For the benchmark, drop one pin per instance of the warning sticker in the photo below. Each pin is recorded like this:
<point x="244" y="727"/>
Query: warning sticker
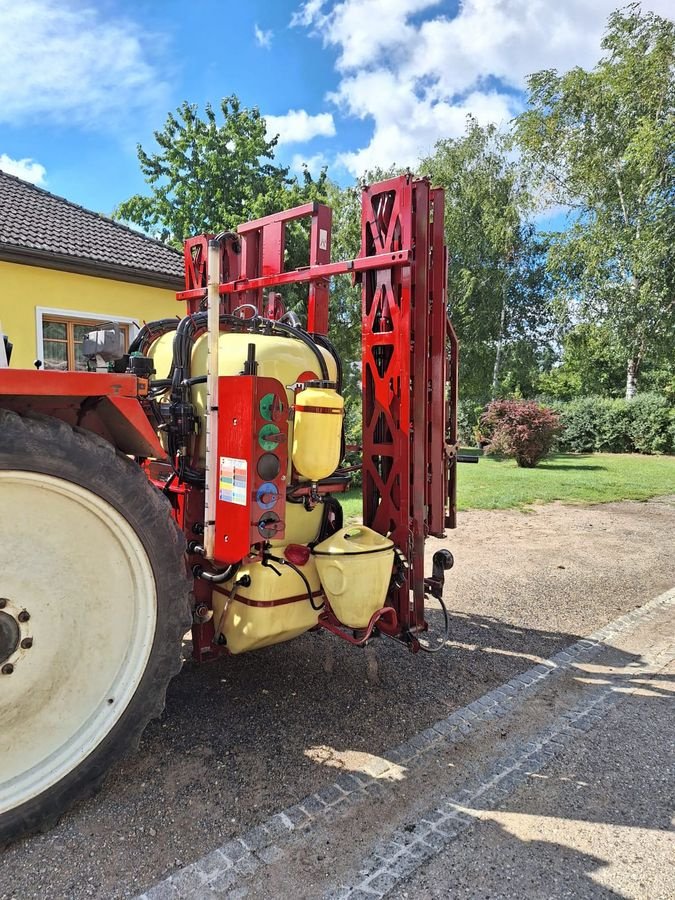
<point x="233" y="480"/>
<point x="323" y="239"/>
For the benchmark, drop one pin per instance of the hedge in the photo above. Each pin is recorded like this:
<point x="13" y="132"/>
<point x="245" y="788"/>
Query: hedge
<point x="645" y="424"/>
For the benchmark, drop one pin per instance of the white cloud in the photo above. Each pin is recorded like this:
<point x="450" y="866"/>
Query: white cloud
<point x="65" y="62"/>
<point x="314" y="163"/>
<point x="417" y="77"/>
<point x="27" y="169"/>
<point x="298" y="126"/>
<point x="263" y="38"/>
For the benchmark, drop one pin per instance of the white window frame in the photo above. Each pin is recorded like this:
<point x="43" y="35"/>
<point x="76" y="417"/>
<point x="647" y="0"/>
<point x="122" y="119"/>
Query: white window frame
<point x="42" y="311"/>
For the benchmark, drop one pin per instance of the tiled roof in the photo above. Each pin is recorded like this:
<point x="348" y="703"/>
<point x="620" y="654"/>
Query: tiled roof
<point x="40" y="227"/>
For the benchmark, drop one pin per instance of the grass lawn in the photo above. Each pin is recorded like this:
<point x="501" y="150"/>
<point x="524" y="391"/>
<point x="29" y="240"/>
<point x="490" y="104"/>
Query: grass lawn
<point x="593" y="478"/>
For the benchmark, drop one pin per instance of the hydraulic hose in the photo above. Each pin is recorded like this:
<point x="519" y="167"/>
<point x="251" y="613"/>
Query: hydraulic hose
<point x="217" y="577"/>
<point x="150" y="331"/>
<point x="306" y="339"/>
<point x="286" y="562"/>
<point x="446" y="630"/>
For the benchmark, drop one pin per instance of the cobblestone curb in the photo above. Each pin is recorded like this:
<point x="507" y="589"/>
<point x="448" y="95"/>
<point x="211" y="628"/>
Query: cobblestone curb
<point x="231" y="864"/>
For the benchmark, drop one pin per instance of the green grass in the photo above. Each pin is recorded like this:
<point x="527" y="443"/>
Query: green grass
<point x="594" y="478"/>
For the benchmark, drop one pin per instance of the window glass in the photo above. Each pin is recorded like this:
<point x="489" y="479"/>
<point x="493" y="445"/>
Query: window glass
<point x="56" y="355"/>
<point x="62" y="341"/>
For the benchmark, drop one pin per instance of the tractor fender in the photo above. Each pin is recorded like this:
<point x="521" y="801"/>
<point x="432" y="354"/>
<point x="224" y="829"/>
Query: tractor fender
<point x="106" y="404"/>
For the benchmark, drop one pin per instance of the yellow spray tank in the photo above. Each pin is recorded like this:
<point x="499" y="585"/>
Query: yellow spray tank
<point x="317" y="430"/>
<point x="355" y="566"/>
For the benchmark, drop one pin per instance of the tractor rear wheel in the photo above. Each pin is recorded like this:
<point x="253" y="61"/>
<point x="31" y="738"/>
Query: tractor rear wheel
<point x="94" y="601"/>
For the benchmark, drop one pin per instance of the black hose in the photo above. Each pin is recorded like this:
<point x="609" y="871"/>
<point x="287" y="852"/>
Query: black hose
<point x="323" y="341"/>
<point x="217" y="577"/>
<point x="285" y="562"/>
<point x="152" y="330"/>
<point x="446" y="632"/>
<point x="306" y="339"/>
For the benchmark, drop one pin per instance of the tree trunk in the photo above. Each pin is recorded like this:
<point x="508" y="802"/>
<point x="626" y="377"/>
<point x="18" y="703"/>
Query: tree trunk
<point x="631" y="377"/>
<point x="500" y="342"/>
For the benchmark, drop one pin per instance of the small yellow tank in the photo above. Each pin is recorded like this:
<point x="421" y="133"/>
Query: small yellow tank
<point x="317" y="431"/>
<point x="355" y="566"/>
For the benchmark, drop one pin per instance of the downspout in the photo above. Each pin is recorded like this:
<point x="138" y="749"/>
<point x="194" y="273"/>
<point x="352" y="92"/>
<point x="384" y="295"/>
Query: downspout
<point x="212" y="336"/>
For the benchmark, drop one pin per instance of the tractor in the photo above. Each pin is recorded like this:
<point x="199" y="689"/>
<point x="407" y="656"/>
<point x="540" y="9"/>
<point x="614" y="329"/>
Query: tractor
<point x="192" y="480"/>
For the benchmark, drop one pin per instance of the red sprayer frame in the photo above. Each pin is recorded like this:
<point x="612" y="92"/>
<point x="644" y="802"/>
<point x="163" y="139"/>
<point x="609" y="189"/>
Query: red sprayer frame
<point x="409" y="356"/>
<point x="409" y="374"/>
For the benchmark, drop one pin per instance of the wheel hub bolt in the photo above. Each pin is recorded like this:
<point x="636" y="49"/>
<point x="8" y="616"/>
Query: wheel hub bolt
<point x="7" y="669"/>
<point x="23" y="616"/>
<point x="27" y="643"/>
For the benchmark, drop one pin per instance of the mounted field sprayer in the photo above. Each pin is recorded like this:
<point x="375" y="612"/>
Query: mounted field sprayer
<point x="195" y="483"/>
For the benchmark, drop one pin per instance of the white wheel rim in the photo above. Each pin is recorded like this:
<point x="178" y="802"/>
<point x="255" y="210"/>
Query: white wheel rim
<point x="70" y="560"/>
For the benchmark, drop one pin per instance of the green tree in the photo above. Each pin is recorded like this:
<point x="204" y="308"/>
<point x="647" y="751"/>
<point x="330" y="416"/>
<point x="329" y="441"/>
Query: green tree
<point x="591" y="365"/>
<point x="212" y="176"/>
<point x="496" y="274"/>
<point x="601" y="142"/>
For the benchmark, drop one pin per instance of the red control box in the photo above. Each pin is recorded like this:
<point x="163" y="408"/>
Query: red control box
<point x="252" y="464"/>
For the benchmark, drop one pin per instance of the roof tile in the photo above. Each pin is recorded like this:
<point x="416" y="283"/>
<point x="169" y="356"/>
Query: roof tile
<point x="33" y="219"/>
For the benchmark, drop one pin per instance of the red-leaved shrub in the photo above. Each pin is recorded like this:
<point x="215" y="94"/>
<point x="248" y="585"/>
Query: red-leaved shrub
<point x="519" y="428"/>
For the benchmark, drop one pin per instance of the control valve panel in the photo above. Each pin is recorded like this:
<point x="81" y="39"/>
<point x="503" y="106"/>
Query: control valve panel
<point x="252" y="464"/>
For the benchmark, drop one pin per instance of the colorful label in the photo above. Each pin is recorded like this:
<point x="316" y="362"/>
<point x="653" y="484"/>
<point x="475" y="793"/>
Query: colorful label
<point x="233" y="480"/>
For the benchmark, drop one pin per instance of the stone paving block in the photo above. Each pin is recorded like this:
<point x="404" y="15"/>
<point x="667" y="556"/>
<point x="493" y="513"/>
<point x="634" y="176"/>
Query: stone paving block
<point x="377" y="767"/>
<point x="348" y="783"/>
<point x="339" y="893"/>
<point x="429" y="736"/>
<point x="233" y="850"/>
<point x="248" y="865"/>
<point x="187" y="878"/>
<point x="200" y="892"/>
<point x="330" y="794"/>
<point x="165" y="890"/>
<point x="381" y="883"/>
<point x="213" y="863"/>
<point x="432" y="815"/>
<point x="270" y="854"/>
<point x="445" y="728"/>
<point x="224" y="882"/>
<point x="280" y="827"/>
<point x="387" y="850"/>
<point x="255" y="838"/>
<point x="313" y="805"/>
<point x="296" y="814"/>
<point x="375" y="791"/>
<point x="237" y="893"/>
<point x="403" y="866"/>
<point x="447" y="828"/>
<point x="436" y="840"/>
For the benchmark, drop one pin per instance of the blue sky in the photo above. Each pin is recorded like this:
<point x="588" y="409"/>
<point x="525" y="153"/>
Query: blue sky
<point x="349" y="84"/>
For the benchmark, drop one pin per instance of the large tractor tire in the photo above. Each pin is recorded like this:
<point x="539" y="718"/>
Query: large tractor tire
<point x="94" y="601"/>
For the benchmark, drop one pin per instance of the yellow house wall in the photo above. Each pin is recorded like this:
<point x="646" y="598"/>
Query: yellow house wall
<point x="25" y="288"/>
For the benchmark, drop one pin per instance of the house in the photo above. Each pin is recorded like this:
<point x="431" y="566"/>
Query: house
<point x="64" y="269"/>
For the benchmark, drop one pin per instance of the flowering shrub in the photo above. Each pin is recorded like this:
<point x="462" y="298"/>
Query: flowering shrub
<point x="519" y="428"/>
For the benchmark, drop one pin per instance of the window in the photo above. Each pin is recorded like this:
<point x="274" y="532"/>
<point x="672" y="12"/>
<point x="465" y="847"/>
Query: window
<point x="62" y="341"/>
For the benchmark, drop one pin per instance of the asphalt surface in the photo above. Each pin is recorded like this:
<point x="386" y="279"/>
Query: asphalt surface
<point x="597" y="823"/>
<point x="247" y="736"/>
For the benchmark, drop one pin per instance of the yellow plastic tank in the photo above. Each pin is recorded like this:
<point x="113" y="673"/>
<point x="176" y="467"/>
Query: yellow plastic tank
<point x="282" y="358"/>
<point x="355" y="566"/>
<point x="317" y="431"/>
<point x="273" y="608"/>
